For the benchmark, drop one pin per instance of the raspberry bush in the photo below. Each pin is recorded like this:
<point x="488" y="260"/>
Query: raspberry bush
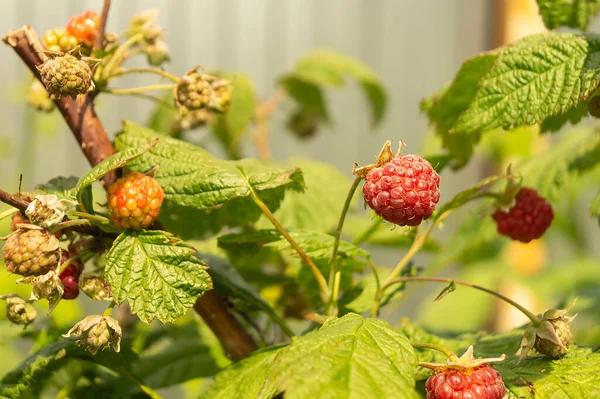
<point x="272" y="277"/>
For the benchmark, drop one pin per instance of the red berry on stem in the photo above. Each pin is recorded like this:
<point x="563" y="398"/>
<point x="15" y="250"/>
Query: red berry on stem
<point x="404" y="191"/>
<point x="528" y="219"/>
<point x="482" y="382"/>
<point x="84" y="26"/>
<point x="71" y="286"/>
<point x="134" y="201"/>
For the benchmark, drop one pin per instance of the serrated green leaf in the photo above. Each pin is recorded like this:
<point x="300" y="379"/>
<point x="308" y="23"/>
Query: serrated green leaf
<point x="60" y="186"/>
<point x="178" y="362"/>
<point x="31" y="370"/>
<point x="572" y="13"/>
<point x="113" y="162"/>
<point x="192" y="177"/>
<point x="325" y="68"/>
<point x="551" y="73"/>
<point x="319" y="206"/>
<point x="317" y="245"/>
<point x="246" y="379"/>
<point x="443" y="109"/>
<point x="156" y="273"/>
<point x="350" y="357"/>
<point x="578" y="153"/>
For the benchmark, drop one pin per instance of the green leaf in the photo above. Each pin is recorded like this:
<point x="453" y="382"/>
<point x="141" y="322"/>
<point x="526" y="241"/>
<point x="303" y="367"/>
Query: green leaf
<point x="156" y="273"/>
<point x="571" y="13"/>
<point x="349" y="357"/>
<point x="443" y="109"/>
<point x="318" y="246"/>
<point x="185" y="357"/>
<point x="578" y="153"/>
<point x="230" y="128"/>
<point x="551" y="73"/>
<point x="319" y="206"/>
<point x="60" y="186"/>
<point x="33" y="369"/>
<point x="308" y="96"/>
<point x="192" y="177"/>
<point x="325" y="68"/>
<point x="246" y="378"/>
<point x="113" y="162"/>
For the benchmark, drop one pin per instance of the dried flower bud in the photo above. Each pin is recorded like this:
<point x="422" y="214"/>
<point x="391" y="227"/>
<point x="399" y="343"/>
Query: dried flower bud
<point x="96" y="287"/>
<point x="157" y="53"/>
<point x="552" y="337"/>
<point x="19" y="311"/>
<point x="47" y="286"/>
<point x="97" y="333"/>
<point x="46" y="211"/>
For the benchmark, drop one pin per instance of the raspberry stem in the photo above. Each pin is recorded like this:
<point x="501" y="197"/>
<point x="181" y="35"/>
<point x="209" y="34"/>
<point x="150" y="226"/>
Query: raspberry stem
<point x="136" y="90"/>
<point x="118" y="55"/>
<point x="324" y="289"/>
<point x="8" y="213"/>
<point x="109" y="309"/>
<point x="534" y="319"/>
<point x="156" y="71"/>
<point x="334" y="278"/>
<point x="451" y="355"/>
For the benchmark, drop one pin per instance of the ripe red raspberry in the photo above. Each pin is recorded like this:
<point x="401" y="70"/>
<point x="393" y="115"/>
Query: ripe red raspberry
<point x="71" y="270"/>
<point x="528" y="219"/>
<point x="84" y="26"/>
<point x="482" y="382"/>
<point x="404" y="191"/>
<point x="135" y="201"/>
<point x="71" y="286"/>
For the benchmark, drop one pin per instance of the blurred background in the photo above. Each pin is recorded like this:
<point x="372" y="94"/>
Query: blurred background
<point x="414" y="46"/>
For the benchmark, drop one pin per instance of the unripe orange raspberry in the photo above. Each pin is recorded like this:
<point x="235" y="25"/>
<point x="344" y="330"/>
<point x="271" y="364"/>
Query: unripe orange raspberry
<point x="84" y="26"/>
<point x="134" y="201"/>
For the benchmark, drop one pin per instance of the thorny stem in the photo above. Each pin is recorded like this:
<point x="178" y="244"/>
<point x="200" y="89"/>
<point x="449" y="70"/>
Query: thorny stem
<point x="451" y="355"/>
<point x="334" y="278"/>
<point x="71" y="223"/>
<point x="88" y="216"/>
<point x="137" y="90"/>
<point x="155" y="71"/>
<point x="263" y="113"/>
<point x="534" y="319"/>
<point x="317" y="273"/>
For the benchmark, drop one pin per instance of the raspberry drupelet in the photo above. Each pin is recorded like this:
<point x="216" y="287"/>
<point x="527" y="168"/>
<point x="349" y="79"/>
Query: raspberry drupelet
<point x="134" y="201"/>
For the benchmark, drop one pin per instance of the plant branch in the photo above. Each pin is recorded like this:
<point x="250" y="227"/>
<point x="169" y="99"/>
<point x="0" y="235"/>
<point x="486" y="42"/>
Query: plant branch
<point x="263" y="114"/>
<point x="438" y="348"/>
<point x="315" y="270"/>
<point x="79" y="114"/>
<point x="138" y="90"/>
<point x="155" y="71"/>
<point x="99" y="39"/>
<point x="334" y="279"/>
<point x="534" y="319"/>
<point x="94" y="142"/>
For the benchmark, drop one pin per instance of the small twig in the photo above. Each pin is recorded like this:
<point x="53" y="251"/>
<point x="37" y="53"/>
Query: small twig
<point x="99" y="39"/>
<point x="534" y="319"/>
<point x="334" y="277"/>
<point x="325" y="294"/>
<point x="14" y="201"/>
<point x="137" y="90"/>
<point x="155" y="71"/>
<point x="263" y="113"/>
